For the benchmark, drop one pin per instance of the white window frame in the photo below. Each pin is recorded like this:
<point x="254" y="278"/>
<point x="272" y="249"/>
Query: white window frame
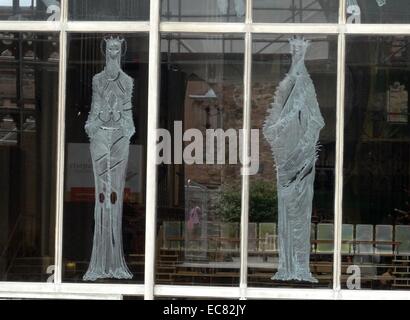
<point x="149" y="290"/>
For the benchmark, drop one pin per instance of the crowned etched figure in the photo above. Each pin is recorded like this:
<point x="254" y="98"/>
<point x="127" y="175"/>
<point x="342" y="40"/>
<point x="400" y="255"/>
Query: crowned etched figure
<point x="292" y="128"/>
<point x="109" y="126"/>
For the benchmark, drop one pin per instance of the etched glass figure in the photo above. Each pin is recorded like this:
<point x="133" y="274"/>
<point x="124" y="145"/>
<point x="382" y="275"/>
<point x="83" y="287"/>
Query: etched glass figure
<point x="381" y="3"/>
<point x="109" y="127"/>
<point x="292" y="129"/>
<point x="223" y="6"/>
<point x="354" y="11"/>
<point x="239" y="7"/>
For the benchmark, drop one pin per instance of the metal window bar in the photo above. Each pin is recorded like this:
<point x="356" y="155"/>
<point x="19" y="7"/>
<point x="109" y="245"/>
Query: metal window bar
<point x="151" y="181"/>
<point x="247" y="105"/>
<point x="58" y="260"/>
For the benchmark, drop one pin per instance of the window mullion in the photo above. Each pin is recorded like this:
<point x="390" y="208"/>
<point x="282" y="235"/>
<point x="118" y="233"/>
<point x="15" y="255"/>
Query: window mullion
<point x="247" y="105"/>
<point x="151" y="180"/>
<point x="60" y="146"/>
<point x="245" y="153"/>
<point x="338" y="205"/>
<point x="342" y="11"/>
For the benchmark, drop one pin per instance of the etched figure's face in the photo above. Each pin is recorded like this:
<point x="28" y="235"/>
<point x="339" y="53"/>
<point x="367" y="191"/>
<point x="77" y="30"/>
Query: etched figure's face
<point x="113" y="48"/>
<point x="298" y="47"/>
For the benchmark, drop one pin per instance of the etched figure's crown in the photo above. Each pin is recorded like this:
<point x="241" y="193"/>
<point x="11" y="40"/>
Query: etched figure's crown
<point x="112" y="39"/>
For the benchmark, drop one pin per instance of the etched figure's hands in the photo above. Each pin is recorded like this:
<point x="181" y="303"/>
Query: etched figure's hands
<point x="128" y="128"/>
<point x="93" y="123"/>
<point x="90" y="130"/>
<point x="91" y="127"/>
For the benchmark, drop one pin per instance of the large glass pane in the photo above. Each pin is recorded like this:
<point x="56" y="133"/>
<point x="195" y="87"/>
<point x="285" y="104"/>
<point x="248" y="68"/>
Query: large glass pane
<point x="376" y="163"/>
<point x="28" y="124"/>
<point x="291" y="11"/>
<point x="291" y="215"/>
<point x="108" y="10"/>
<point x="30" y="10"/>
<point x="201" y="92"/>
<point x="378" y="11"/>
<point x="104" y="203"/>
<point x="203" y="10"/>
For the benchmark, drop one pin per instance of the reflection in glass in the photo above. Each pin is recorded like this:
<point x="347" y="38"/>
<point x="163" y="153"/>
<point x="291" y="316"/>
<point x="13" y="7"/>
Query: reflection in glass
<point x="198" y="215"/>
<point x="30" y="10"/>
<point x="119" y="192"/>
<point x="309" y="229"/>
<point x="108" y="10"/>
<point x="376" y="163"/>
<point x="296" y="11"/>
<point x="203" y="10"/>
<point x="378" y="11"/>
<point x="28" y="123"/>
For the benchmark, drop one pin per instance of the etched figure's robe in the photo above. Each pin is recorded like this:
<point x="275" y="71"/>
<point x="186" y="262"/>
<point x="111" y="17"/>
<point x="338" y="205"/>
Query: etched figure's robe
<point x="292" y="129"/>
